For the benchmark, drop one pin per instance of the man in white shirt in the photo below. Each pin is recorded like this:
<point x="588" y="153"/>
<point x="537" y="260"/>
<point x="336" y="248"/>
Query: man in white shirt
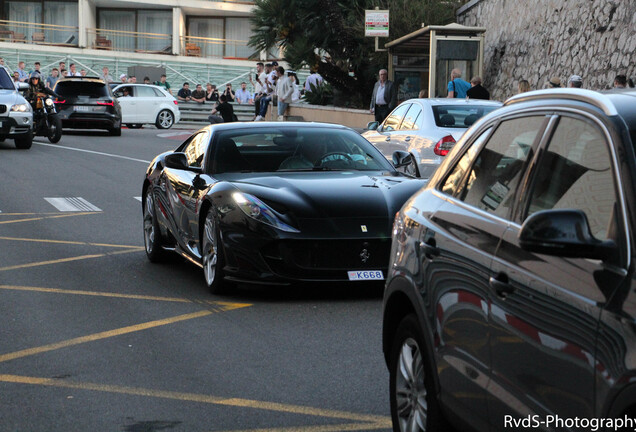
<point x="384" y="98"/>
<point x="314" y="79"/>
<point x="72" y="72"/>
<point x="259" y="88"/>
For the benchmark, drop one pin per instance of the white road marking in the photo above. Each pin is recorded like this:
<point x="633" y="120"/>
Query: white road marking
<point x="72" y="204"/>
<point x="93" y="152"/>
<point x="137" y="198"/>
<point x="177" y="133"/>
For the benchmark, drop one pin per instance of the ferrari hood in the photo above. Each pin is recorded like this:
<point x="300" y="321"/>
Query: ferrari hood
<point x="330" y="195"/>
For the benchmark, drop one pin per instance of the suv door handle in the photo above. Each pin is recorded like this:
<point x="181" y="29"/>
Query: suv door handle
<point x="407" y="139"/>
<point x="388" y="138"/>
<point x="429" y="249"/>
<point x="501" y="285"/>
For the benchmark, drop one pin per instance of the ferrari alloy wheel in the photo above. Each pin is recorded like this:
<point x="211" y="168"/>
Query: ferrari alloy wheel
<point x="165" y="120"/>
<point x="212" y="258"/>
<point x="413" y="403"/>
<point x="152" y="233"/>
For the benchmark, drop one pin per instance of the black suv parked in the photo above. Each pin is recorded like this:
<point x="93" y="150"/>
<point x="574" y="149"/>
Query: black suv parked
<point x="511" y="294"/>
<point x="87" y="103"/>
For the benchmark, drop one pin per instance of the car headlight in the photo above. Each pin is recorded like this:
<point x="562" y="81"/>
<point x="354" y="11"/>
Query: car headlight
<point x="258" y="210"/>
<point x="49" y="102"/>
<point x="21" y="107"/>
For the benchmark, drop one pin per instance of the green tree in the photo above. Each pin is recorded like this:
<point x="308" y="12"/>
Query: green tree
<point x="328" y="36"/>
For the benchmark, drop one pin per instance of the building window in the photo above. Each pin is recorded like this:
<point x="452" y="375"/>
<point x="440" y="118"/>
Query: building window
<point x="60" y="19"/>
<point x="220" y="37"/>
<point x="136" y="30"/>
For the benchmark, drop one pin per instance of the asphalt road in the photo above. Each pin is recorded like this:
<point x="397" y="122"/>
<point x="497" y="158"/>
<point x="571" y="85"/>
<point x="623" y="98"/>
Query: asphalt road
<point x="93" y="337"/>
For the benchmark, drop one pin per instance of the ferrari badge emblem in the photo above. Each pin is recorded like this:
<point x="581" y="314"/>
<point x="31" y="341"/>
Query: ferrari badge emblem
<point x="363" y="228"/>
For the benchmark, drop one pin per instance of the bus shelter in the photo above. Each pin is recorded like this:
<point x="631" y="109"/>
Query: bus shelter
<point x="423" y="60"/>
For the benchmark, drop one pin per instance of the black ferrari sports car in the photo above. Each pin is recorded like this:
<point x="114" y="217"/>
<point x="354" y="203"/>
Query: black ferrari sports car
<point x="275" y="203"/>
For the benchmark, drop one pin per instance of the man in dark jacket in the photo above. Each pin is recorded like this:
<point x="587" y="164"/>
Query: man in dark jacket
<point x="384" y="97"/>
<point x="477" y="91"/>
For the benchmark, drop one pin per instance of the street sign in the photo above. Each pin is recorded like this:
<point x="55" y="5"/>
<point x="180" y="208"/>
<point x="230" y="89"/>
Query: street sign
<point x="376" y="23"/>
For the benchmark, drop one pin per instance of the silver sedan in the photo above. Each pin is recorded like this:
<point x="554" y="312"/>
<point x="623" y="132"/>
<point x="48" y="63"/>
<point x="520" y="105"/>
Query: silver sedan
<point x="427" y="129"/>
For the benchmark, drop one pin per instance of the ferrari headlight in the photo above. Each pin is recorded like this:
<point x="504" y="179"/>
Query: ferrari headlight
<point x="257" y="209"/>
<point x="49" y="102"/>
<point x="21" y="107"/>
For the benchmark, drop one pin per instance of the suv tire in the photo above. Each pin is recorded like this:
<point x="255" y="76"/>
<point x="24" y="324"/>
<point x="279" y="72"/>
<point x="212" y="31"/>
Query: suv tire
<point x="25" y="141"/>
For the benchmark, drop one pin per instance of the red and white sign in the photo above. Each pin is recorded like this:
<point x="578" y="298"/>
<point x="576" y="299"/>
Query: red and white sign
<point x="376" y="23"/>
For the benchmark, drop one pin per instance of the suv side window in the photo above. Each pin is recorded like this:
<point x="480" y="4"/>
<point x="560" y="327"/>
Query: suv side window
<point x="576" y="172"/>
<point x="493" y="178"/>
<point x="452" y="183"/>
<point x="394" y="119"/>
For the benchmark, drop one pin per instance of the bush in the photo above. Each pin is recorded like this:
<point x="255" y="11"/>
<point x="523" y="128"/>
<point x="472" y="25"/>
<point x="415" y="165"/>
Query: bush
<point x="322" y="94"/>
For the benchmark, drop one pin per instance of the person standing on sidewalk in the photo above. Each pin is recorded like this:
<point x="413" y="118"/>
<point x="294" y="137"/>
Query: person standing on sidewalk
<point x="384" y="97"/>
<point x="284" y="91"/>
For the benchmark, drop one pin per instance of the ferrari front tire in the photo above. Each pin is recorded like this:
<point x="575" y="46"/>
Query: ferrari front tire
<point x="153" y="240"/>
<point x="212" y="256"/>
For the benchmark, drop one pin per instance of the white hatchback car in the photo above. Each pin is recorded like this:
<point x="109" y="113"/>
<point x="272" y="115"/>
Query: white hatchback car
<point x="146" y="104"/>
<point x="427" y="129"/>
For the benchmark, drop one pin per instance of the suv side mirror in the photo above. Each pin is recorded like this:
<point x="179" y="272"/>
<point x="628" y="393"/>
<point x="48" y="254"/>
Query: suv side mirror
<point x="373" y="125"/>
<point x="564" y="233"/>
<point x="23" y="86"/>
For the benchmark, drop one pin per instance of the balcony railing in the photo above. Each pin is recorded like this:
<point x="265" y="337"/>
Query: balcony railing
<point x="215" y="47"/>
<point x="120" y="40"/>
<point x="43" y="34"/>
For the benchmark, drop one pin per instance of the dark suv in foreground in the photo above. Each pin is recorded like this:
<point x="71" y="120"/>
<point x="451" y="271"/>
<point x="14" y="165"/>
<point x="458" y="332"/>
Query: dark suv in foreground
<point x="87" y="103"/>
<point x="510" y="301"/>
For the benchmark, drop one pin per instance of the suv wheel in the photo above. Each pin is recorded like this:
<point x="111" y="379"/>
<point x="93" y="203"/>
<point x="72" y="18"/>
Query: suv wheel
<point x="414" y="405"/>
<point x="24" y="142"/>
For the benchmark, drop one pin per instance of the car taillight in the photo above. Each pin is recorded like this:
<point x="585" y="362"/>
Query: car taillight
<point x="60" y="101"/>
<point x="175" y="102"/>
<point x="110" y="103"/>
<point x="444" y="145"/>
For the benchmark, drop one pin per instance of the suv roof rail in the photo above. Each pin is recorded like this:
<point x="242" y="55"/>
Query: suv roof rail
<point x="599" y="100"/>
<point x="82" y="77"/>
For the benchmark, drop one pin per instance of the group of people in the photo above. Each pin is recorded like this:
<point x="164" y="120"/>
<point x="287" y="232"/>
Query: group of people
<point x="270" y="81"/>
<point x="22" y="75"/>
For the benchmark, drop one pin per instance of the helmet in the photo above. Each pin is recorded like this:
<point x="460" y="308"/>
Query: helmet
<point x="35" y="75"/>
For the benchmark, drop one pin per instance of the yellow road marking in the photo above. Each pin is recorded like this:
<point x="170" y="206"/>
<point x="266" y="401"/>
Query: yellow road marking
<point x="65" y="260"/>
<point x="103" y="294"/>
<point x="101" y="335"/>
<point x="47" y="217"/>
<point x="68" y="242"/>
<point x="201" y="398"/>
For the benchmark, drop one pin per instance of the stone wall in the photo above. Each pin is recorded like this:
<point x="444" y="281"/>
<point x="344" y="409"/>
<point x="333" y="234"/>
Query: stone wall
<point x="538" y="39"/>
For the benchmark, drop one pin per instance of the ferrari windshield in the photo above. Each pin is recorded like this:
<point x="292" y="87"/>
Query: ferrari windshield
<point x="271" y="149"/>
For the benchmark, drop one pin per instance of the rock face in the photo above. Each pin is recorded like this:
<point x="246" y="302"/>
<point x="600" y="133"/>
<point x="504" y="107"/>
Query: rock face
<point x="539" y="39"/>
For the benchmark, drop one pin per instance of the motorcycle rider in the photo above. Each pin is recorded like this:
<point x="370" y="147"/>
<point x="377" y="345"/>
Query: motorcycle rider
<point x="36" y="86"/>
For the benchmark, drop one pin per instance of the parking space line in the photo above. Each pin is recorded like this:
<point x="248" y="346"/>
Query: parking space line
<point x="46" y="217"/>
<point x="106" y="294"/>
<point x="65" y="260"/>
<point x="69" y="242"/>
<point x="373" y="421"/>
<point x="101" y="335"/>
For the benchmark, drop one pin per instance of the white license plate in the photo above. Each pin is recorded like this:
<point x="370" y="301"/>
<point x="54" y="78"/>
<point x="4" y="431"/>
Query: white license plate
<point x="365" y="275"/>
<point x="80" y="108"/>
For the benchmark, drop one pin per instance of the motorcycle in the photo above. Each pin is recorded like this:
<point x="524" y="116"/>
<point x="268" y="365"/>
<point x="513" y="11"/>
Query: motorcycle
<point x="45" y="119"/>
